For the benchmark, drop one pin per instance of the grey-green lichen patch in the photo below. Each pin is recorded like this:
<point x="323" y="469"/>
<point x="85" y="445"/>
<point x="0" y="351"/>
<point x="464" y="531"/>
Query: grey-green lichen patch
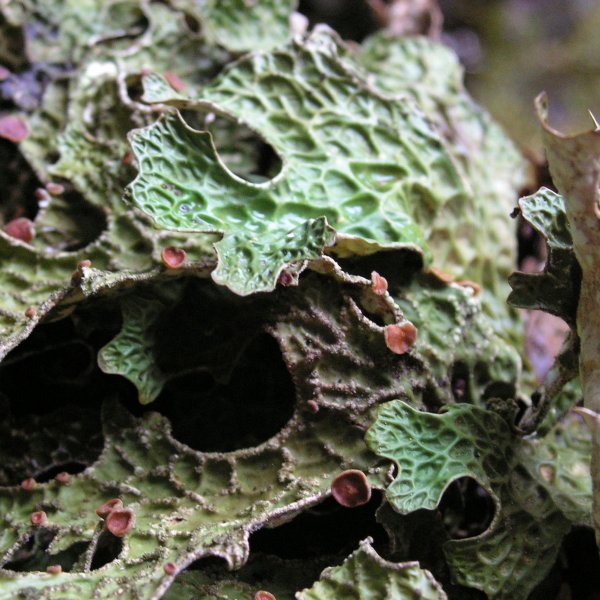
<point x="187" y="504"/>
<point x="131" y="351"/>
<point x="280" y="577"/>
<point x="537" y="499"/>
<point x="61" y="32"/>
<point x="451" y="322"/>
<point x="66" y="31"/>
<point x="556" y="289"/>
<point x="364" y="574"/>
<point x="239" y="25"/>
<point x="373" y="167"/>
<point x="83" y="120"/>
<point x="474" y="241"/>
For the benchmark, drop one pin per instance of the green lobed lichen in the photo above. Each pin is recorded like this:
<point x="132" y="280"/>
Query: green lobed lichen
<point x="296" y="176"/>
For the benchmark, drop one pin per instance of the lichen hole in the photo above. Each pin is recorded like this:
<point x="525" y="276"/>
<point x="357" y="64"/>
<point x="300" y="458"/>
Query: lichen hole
<point x="228" y="386"/>
<point x="51" y="393"/>
<point x="326" y="529"/>
<point x="33" y="555"/>
<point x="108" y="547"/>
<point x="244" y="151"/>
<point x="18" y="192"/>
<point x="467" y="509"/>
<point x="352" y="19"/>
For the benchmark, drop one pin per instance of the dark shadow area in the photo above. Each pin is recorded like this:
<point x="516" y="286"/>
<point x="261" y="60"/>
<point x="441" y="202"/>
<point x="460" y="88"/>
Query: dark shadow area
<point x="324" y="529"/>
<point x="192" y="23"/>
<point x="56" y="365"/>
<point x="19" y="183"/>
<point x="225" y="392"/>
<point x="266" y="572"/>
<point x="420" y="536"/>
<point x="52" y="393"/>
<point x="213" y="564"/>
<point x="71" y="467"/>
<point x="352" y="19"/>
<point x="13" y="51"/>
<point x="397" y="266"/>
<point x="32" y="555"/>
<point x="576" y="572"/>
<point x="459" y="382"/>
<point x="467" y="509"/>
<point x="108" y="549"/>
<point x="582" y="572"/>
<point x="254" y="403"/>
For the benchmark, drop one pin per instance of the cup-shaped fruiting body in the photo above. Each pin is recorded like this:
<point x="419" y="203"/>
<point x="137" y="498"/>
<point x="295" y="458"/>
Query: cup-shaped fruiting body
<point x="378" y="283"/>
<point x="54" y="569"/>
<point x="170" y="568"/>
<point x="120" y="521"/>
<point x="174" y="81"/>
<point x="28" y="484"/>
<point x="262" y="595"/>
<point x="63" y="477"/>
<point x="77" y="275"/>
<point x="42" y="195"/>
<point x="173" y="258"/>
<point x="13" y="129"/>
<point x="351" y="488"/>
<point x="312" y="406"/>
<point x="39" y="518"/>
<point x="55" y="189"/>
<point x="20" y="229"/>
<point x="103" y="510"/>
<point x="30" y="312"/>
<point x="400" y="338"/>
<point x="285" y="278"/>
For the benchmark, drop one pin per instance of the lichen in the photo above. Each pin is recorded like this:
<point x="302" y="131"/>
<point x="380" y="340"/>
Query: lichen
<point x="293" y="251"/>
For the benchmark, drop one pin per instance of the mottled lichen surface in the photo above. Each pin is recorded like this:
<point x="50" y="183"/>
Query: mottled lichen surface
<point x="340" y="218"/>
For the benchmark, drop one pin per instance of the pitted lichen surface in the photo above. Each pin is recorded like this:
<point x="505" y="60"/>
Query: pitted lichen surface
<point x="84" y="121"/>
<point x="375" y="169"/>
<point x="364" y="574"/>
<point x="322" y="196"/>
<point x="187" y="504"/>
<point x="534" y="496"/>
<point x="556" y="289"/>
<point x="479" y="246"/>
